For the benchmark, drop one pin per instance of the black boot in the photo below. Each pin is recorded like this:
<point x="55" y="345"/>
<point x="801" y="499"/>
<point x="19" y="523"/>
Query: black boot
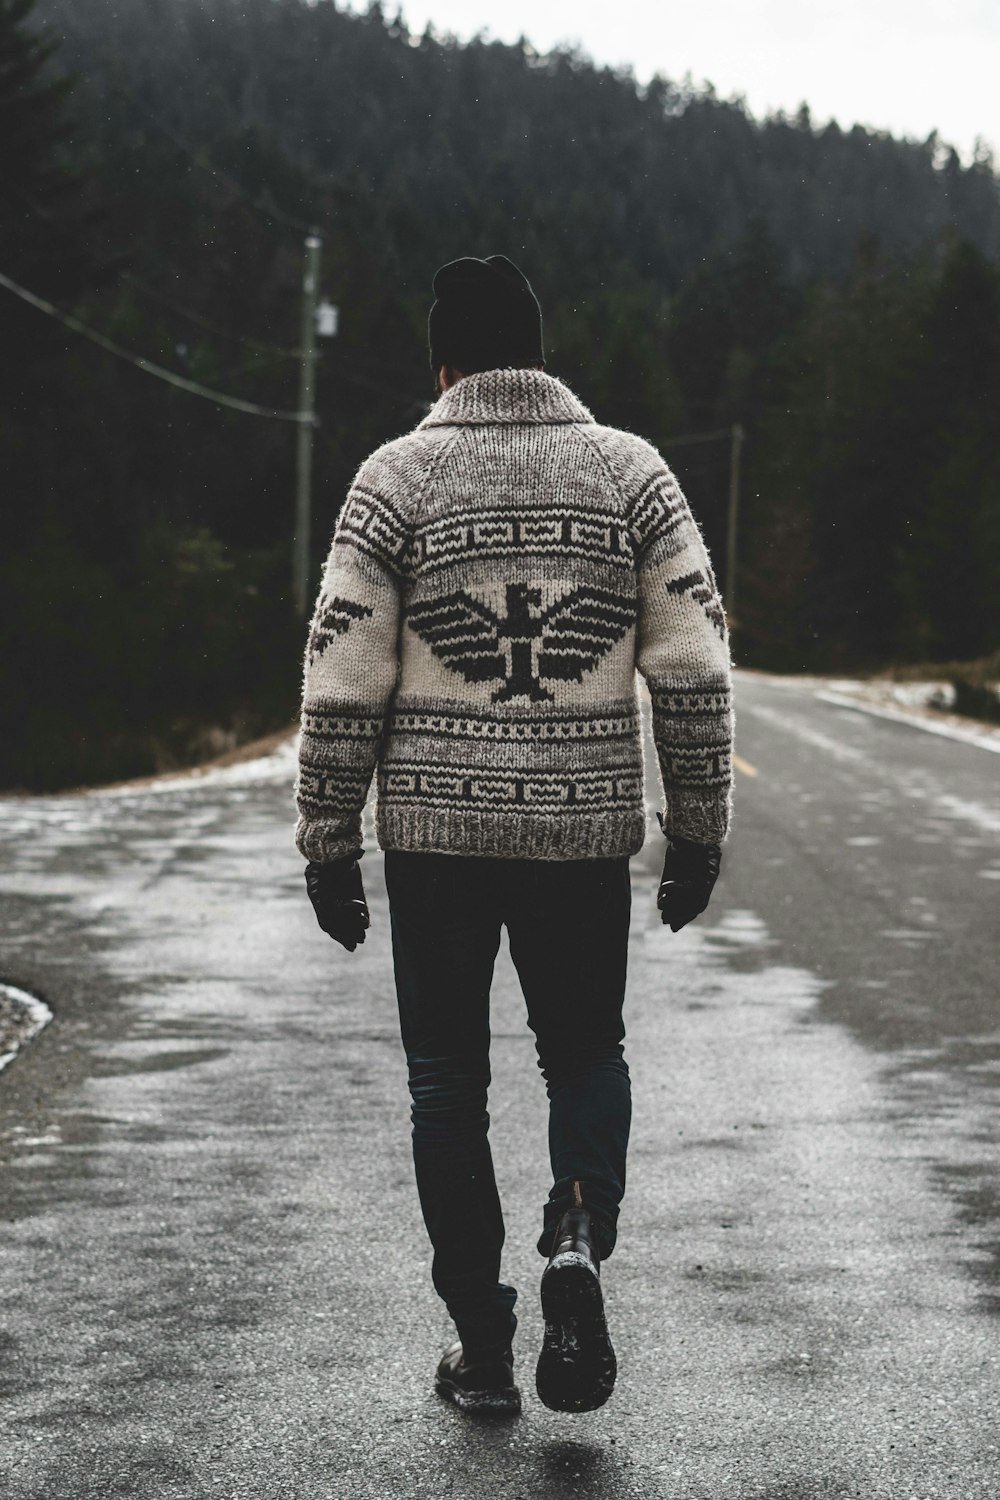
<point x="485" y="1387"/>
<point x="577" y="1365"/>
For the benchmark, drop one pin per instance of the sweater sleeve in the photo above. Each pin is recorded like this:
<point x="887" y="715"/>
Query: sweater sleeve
<point x="351" y="663"/>
<point x="682" y="651"/>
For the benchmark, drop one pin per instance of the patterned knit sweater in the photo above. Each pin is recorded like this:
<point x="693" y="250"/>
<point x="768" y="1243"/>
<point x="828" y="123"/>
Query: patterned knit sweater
<point x="496" y="577"/>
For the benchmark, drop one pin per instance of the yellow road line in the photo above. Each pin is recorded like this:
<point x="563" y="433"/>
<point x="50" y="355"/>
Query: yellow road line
<point x="744" y="766"/>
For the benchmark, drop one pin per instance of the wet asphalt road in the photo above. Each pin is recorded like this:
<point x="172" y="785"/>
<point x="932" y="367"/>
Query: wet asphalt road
<point x="214" y="1274"/>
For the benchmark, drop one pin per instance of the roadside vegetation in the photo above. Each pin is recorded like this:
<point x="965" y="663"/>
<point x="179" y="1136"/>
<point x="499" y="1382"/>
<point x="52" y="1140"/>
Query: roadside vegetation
<point x="973" y="686"/>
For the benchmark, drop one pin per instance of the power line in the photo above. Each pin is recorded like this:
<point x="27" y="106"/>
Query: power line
<point x="235" y="403"/>
<point x="258" y="345"/>
<point x="146" y="290"/>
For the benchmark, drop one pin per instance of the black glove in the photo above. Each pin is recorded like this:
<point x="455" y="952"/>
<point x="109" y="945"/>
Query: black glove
<point x="689" y="874"/>
<point x="337" y="893"/>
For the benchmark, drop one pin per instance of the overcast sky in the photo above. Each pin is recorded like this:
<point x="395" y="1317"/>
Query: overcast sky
<point x="902" y="65"/>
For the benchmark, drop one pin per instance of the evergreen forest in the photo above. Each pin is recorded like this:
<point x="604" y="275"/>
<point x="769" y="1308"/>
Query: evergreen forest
<point x="830" y="291"/>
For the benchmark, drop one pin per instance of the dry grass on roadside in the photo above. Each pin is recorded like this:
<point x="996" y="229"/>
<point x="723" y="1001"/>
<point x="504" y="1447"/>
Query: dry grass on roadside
<point x="973" y="686"/>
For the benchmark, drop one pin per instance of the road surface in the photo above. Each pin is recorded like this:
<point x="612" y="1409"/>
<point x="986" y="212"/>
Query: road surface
<point x="214" y="1272"/>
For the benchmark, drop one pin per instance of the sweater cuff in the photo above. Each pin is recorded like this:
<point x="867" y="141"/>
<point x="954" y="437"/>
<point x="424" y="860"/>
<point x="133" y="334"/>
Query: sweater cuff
<point x="692" y="815"/>
<point x="322" y="843"/>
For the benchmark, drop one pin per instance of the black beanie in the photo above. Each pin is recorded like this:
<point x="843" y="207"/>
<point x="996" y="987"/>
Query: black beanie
<point x="486" y="317"/>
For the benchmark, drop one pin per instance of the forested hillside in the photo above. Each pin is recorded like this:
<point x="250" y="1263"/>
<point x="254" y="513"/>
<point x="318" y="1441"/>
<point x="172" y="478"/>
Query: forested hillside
<point x="836" y="292"/>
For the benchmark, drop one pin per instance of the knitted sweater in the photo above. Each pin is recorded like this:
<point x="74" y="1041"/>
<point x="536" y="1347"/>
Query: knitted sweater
<point x="496" y="577"/>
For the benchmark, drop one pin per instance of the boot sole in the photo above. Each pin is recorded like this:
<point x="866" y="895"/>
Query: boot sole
<point x="506" y="1403"/>
<point x="577" y="1366"/>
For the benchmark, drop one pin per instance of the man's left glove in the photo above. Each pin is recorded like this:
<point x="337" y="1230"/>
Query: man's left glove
<point x="337" y="893"/>
<point x="690" y="871"/>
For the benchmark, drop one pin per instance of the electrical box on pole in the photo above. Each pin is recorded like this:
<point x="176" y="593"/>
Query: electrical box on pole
<point x="327" y="319"/>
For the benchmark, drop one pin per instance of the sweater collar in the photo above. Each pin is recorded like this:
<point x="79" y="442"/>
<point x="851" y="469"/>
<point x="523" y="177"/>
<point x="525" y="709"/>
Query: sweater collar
<point x="506" y="396"/>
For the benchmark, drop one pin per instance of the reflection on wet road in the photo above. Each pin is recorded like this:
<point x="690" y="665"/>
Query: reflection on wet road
<point x="215" y="1273"/>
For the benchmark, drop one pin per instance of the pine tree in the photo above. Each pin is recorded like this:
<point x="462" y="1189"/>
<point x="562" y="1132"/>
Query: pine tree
<point x="36" y="184"/>
<point x="949" y="563"/>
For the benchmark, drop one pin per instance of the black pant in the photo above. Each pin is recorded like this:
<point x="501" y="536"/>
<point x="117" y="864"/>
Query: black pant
<point x="567" y="925"/>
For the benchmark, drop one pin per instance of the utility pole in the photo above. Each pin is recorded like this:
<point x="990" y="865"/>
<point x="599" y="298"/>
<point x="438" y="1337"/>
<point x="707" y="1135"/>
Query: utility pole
<point x="307" y="422"/>
<point x="736" y="443"/>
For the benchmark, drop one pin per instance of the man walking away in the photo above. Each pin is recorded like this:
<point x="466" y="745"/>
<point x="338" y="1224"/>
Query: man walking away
<point x="496" y="577"/>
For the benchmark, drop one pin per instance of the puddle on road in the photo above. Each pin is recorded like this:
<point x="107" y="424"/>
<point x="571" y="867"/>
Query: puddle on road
<point x="941" y="1100"/>
<point x="116" y="1063"/>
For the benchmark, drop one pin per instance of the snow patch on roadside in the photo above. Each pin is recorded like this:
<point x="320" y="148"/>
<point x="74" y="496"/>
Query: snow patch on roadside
<point x="22" y="1017"/>
<point x="970" y="812"/>
<point x="932" y="694"/>
<point x="278" y="765"/>
<point x="82" y="813"/>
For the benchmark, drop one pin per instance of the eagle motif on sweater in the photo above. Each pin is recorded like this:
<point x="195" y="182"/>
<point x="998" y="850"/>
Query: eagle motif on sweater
<point x="519" y="648"/>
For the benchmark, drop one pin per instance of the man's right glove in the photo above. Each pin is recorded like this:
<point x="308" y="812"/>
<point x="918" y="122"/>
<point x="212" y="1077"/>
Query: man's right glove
<point x="337" y="893"/>
<point x="690" y="871"/>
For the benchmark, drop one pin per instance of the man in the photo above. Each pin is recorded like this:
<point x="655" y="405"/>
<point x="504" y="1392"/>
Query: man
<point x="496" y="577"/>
